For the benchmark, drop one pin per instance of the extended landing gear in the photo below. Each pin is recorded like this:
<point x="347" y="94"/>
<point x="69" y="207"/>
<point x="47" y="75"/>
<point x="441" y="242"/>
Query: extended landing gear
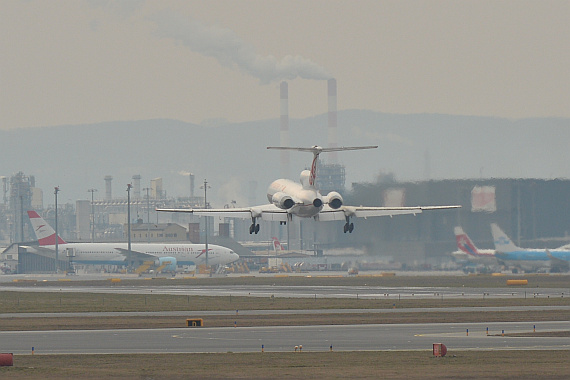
<point x="254" y="228"/>
<point x="348" y="227"/>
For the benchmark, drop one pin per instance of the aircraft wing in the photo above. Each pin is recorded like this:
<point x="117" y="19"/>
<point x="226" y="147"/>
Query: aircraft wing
<point x="560" y="263"/>
<point x="135" y="255"/>
<point x="329" y="214"/>
<point x="266" y="212"/>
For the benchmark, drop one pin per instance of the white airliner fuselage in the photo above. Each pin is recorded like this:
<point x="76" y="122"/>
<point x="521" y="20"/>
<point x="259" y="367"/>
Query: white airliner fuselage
<point x="119" y="254"/>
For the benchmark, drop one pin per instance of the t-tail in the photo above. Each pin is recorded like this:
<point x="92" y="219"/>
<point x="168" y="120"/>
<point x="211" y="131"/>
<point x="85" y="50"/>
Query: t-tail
<point x="502" y="242"/>
<point x="316" y="150"/>
<point x="464" y="243"/>
<point x="44" y="232"/>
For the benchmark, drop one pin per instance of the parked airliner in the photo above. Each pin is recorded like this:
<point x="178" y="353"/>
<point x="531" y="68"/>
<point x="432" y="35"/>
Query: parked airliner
<point x="469" y="252"/>
<point x="171" y="255"/>
<point x="304" y="200"/>
<point x="527" y="258"/>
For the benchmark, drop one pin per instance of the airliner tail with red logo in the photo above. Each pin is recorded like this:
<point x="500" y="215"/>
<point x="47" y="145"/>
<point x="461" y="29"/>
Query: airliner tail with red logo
<point x="277" y="246"/>
<point x="468" y="250"/>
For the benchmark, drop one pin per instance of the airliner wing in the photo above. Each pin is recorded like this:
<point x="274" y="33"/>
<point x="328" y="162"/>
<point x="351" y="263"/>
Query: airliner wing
<point x="266" y="212"/>
<point x="560" y="263"/>
<point x="135" y="255"/>
<point x="329" y="214"/>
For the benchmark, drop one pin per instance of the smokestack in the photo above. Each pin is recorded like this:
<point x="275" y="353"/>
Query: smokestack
<point x="137" y="186"/>
<point x="191" y="185"/>
<point x="108" y="193"/>
<point x="284" y="129"/>
<point x="332" y="118"/>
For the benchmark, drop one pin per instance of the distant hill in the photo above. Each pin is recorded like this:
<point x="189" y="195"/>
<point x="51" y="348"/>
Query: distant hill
<point x="413" y="147"/>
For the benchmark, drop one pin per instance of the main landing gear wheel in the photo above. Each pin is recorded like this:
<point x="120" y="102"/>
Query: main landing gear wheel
<point x="254" y="228"/>
<point x="348" y="227"/>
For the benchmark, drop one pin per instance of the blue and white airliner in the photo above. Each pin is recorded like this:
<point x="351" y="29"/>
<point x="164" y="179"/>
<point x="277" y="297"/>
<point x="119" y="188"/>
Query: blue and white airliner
<point x="526" y="258"/>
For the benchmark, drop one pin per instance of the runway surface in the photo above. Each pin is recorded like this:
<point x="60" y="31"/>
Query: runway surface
<point x="360" y="292"/>
<point x="285" y="338"/>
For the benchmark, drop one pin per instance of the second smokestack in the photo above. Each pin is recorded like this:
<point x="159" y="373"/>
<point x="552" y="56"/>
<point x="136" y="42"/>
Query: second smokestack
<point x="284" y="128"/>
<point x="332" y="102"/>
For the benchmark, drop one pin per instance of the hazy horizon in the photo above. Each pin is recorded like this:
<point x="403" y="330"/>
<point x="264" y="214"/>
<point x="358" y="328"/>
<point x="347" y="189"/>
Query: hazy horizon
<point x="86" y="62"/>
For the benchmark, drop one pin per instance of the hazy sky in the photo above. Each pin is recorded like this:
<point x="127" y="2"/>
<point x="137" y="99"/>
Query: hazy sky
<point x="87" y="61"/>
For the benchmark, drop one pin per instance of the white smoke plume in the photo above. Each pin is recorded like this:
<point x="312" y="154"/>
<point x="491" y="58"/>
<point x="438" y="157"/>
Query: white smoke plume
<point x="231" y="51"/>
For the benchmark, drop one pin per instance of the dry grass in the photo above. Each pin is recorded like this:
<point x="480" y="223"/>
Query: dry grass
<point x="305" y="365"/>
<point x="147" y="322"/>
<point x="59" y="301"/>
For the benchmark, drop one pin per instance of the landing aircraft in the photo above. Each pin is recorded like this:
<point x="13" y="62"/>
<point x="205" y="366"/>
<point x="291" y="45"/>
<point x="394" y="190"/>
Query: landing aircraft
<point x="289" y="198"/>
<point x="527" y="258"/>
<point x="167" y="256"/>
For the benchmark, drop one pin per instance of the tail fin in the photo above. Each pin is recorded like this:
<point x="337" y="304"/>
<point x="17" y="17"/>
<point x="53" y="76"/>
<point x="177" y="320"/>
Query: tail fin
<point x="316" y="150"/>
<point x="502" y="242"/>
<point x="464" y="243"/>
<point x="277" y="246"/>
<point x="44" y="232"/>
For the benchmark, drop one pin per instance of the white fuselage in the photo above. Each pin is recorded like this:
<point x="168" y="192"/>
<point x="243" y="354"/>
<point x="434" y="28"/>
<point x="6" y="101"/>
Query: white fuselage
<point x="110" y="253"/>
<point x="308" y="200"/>
<point x="482" y="256"/>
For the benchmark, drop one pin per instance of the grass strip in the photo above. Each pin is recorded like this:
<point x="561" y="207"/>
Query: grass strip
<point x="495" y="364"/>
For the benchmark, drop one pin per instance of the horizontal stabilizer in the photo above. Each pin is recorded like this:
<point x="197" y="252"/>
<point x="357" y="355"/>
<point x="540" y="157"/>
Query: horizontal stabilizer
<point x="318" y="149"/>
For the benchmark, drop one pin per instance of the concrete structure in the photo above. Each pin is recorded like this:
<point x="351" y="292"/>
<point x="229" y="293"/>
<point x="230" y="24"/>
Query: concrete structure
<point x="162" y="232"/>
<point x="108" y="188"/>
<point x="156" y="190"/>
<point x="284" y="129"/>
<point x="83" y="220"/>
<point x="136" y="186"/>
<point x="332" y="118"/>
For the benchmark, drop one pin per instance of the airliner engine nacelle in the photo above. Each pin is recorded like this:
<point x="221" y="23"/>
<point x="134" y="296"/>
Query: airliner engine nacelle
<point x="168" y="262"/>
<point x="334" y="200"/>
<point x="282" y="200"/>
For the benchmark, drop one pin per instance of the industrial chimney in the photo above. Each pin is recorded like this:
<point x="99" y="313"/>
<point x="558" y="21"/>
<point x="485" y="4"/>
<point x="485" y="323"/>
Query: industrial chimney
<point x="332" y="101"/>
<point x="284" y="129"/>
<point x="191" y="185"/>
<point x="137" y="186"/>
<point x="108" y="193"/>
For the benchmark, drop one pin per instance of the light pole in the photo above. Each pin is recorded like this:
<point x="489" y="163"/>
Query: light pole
<point x="129" y="186"/>
<point x="92" y="191"/>
<point x="56" y="190"/>
<point x="205" y="187"/>
<point x="147" y="189"/>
